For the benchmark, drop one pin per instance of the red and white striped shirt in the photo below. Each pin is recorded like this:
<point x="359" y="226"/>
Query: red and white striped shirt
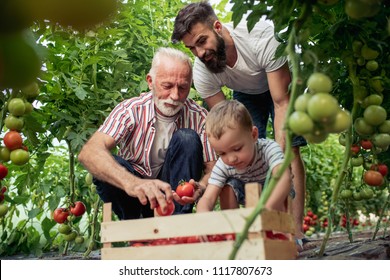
<point x="131" y="124"/>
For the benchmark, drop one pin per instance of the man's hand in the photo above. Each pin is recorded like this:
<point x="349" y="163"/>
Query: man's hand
<point x="155" y="191"/>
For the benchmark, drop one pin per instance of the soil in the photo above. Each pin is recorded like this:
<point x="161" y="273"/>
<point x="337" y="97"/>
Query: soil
<point x="338" y="247"/>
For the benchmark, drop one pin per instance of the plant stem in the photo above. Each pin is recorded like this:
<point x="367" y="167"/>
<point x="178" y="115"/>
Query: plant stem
<point x="94" y="224"/>
<point x="384" y="209"/>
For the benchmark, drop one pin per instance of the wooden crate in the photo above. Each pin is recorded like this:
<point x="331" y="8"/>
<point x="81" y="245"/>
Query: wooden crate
<point x="257" y="246"/>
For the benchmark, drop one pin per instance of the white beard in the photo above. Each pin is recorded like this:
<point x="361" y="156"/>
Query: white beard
<point x="167" y="111"/>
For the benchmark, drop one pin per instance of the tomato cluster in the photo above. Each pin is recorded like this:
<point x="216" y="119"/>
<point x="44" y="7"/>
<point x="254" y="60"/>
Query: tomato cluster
<point x="185" y="240"/>
<point x="317" y="113"/>
<point x="310" y="221"/>
<point x="352" y="221"/>
<point x="65" y="216"/>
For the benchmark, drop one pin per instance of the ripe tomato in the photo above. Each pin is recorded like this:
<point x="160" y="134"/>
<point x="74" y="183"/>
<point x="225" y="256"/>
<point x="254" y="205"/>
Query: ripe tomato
<point x="215" y="237"/>
<point x="60" y="215"/>
<point x="373" y="178"/>
<point x="310" y="213"/>
<point x="13" y="140"/>
<point x="366" y="144"/>
<point x="185" y="189"/>
<point x="381" y="168"/>
<point x="229" y="236"/>
<point x="169" y="211"/>
<point x="3" y="171"/>
<point x="355" y="149"/>
<point x="194" y="239"/>
<point x="2" y="196"/>
<point x="3" y="189"/>
<point x="78" y="209"/>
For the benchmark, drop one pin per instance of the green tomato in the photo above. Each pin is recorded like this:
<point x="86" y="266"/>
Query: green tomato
<point x="346" y="194"/>
<point x="3" y="210"/>
<point x="300" y="103"/>
<point x="79" y="240"/>
<point x="381" y="140"/>
<point x="363" y="128"/>
<point x="19" y="156"/>
<point x="357" y="161"/>
<point x="372" y="65"/>
<point x="5" y="154"/>
<point x="341" y="123"/>
<point x="323" y="107"/>
<point x="70" y="236"/>
<point x="375" y="115"/>
<point x="31" y="91"/>
<point x="385" y="127"/>
<point x="373" y="99"/>
<point x="16" y="107"/>
<point x="376" y="84"/>
<point x="300" y="123"/>
<point x="319" y="82"/>
<point x="64" y="229"/>
<point x="14" y="123"/>
<point x="317" y="137"/>
<point x="369" y="53"/>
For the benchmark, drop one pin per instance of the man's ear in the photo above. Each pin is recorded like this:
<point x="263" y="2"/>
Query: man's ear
<point x="149" y="80"/>
<point x="218" y="27"/>
<point x="255" y="133"/>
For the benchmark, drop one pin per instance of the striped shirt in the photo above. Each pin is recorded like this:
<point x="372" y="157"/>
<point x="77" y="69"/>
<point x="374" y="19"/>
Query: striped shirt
<point x="131" y="124"/>
<point x="268" y="155"/>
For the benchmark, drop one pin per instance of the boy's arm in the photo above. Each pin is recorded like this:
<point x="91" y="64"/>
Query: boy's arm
<point x="281" y="191"/>
<point x="208" y="200"/>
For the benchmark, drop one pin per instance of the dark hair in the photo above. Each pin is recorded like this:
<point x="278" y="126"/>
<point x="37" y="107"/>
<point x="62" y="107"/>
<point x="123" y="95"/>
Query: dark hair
<point x="189" y="16"/>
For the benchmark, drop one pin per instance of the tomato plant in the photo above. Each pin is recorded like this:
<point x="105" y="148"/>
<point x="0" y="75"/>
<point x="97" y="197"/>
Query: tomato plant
<point x="185" y="189"/>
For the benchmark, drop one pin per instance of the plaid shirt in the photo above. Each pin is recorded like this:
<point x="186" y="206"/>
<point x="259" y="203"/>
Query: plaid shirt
<point x="131" y="124"/>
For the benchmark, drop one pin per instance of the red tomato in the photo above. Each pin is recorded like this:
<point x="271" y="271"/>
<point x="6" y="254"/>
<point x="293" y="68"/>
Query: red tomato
<point x="366" y="144"/>
<point x="381" y="168"/>
<point x="185" y="189"/>
<point x="194" y="239"/>
<point x="215" y="237"/>
<point x="310" y="213"/>
<point x="60" y="215"/>
<point x="373" y="178"/>
<point x="229" y="236"/>
<point x="280" y="236"/>
<point x="1" y="197"/>
<point x="305" y="227"/>
<point x="3" y="171"/>
<point x="137" y="244"/>
<point x="3" y="189"/>
<point x="170" y="210"/>
<point x="78" y="209"/>
<point x="157" y="242"/>
<point x="355" y="149"/>
<point x="13" y="140"/>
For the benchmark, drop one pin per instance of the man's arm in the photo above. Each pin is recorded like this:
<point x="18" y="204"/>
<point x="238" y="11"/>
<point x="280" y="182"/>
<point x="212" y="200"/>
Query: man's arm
<point x="96" y="157"/>
<point x="278" y="82"/>
<point x="212" y="100"/>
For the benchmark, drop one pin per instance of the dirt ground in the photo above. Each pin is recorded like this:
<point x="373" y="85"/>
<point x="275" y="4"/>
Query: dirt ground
<point x="338" y="247"/>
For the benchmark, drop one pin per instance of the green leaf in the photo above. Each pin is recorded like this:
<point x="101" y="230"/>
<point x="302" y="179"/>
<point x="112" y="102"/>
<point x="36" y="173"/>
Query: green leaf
<point x="81" y="93"/>
<point x="34" y="212"/>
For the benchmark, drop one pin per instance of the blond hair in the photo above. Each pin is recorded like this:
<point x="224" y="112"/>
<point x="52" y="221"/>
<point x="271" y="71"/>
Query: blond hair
<point x="227" y="114"/>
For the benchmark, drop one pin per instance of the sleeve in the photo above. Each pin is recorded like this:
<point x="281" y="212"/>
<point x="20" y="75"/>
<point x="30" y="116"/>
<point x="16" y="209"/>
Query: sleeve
<point x="265" y="49"/>
<point x="219" y="174"/>
<point x="205" y="82"/>
<point x="119" y="122"/>
<point x="273" y="154"/>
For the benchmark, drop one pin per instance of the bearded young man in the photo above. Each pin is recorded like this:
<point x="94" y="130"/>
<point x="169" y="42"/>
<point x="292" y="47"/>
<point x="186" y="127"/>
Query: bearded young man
<point x="244" y="62"/>
<point x="161" y="140"/>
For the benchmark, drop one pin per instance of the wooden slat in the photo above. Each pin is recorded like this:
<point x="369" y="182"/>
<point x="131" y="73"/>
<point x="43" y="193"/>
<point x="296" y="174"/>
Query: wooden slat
<point x="277" y="221"/>
<point x="107" y="217"/>
<point x="280" y="250"/>
<point x="217" y="222"/>
<point x="250" y="250"/>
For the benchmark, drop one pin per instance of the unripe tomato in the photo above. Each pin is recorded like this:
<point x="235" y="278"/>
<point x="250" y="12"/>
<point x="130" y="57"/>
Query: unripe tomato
<point x="357" y="161"/>
<point x="373" y="178"/>
<point x="19" y="156"/>
<point x="16" y="107"/>
<point x="4" y="154"/>
<point x="323" y="107"/>
<point x="300" y="103"/>
<point x="385" y="127"/>
<point x="70" y="237"/>
<point x="369" y="53"/>
<point x="14" y="123"/>
<point x="346" y="194"/>
<point x="3" y="210"/>
<point x="362" y="127"/>
<point x="79" y="240"/>
<point x="13" y="140"/>
<point x="31" y="91"/>
<point x="372" y="65"/>
<point x="381" y="140"/>
<point x="319" y="82"/>
<point x="64" y="229"/>
<point x="375" y="115"/>
<point x="342" y="122"/>
<point x="300" y="123"/>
